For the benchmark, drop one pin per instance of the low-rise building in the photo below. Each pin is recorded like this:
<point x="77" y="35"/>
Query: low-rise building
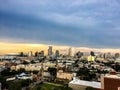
<point x="82" y="85"/>
<point x="64" y="75"/>
<point x="91" y="58"/>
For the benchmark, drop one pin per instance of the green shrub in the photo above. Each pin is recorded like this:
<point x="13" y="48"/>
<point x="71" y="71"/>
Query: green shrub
<point x="90" y="88"/>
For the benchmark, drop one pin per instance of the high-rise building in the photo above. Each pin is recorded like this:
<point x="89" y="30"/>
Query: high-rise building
<point x="71" y="52"/>
<point x="117" y="55"/>
<point x="50" y="51"/>
<point x="109" y="55"/>
<point x="42" y="53"/>
<point x="36" y="54"/>
<point x="92" y="53"/>
<point x="30" y="54"/>
<point x="57" y="53"/>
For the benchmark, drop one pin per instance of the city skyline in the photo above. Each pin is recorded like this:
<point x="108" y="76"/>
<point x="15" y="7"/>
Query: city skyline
<point x="17" y="48"/>
<point x="79" y="23"/>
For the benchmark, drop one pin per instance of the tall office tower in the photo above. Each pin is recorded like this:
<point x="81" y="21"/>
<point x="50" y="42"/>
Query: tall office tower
<point x="42" y="53"/>
<point x="57" y="53"/>
<point x="117" y="55"/>
<point x="105" y="56"/>
<point x="36" y="54"/>
<point x="92" y="53"/>
<point x="50" y="51"/>
<point x="71" y="51"/>
<point x="109" y="55"/>
<point x="30" y="54"/>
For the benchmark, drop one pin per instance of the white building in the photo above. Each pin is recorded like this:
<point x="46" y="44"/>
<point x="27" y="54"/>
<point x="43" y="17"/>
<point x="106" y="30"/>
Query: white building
<point x="82" y="85"/>
<point x="71" y="51"/>
<point x="30" y="54"/>
<point x="7" y="57"/>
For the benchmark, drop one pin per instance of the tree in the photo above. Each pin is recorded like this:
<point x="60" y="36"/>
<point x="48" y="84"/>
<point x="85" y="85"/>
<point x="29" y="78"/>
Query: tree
<point x="3" y="81"/>
<point x="44" y="88"/>
<point x="39" y="88"/>
<point x="25" y="62"/>
<point x="90" y="88"/>
<point x="14" y="86"/>
<point x="21" y="70"/>
<point x="83" y="73"/>
<point x="79" y="54"/>
<point x="53" y="72"/>
<point x="117" y="67"/>
<point x="13" y="72"/>
<point x="5" y="72"/>
<point x="25" y="83"/>
<point x="32" y="62"/>
<point x="35" y="72"/>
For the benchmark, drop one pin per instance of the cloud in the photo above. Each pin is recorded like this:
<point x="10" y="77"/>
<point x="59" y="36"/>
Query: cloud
<point x="77" y="23"/>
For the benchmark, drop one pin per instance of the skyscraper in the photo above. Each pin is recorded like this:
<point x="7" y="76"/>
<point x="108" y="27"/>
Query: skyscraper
<point x="50" y="51"/>
<point x="117" y="55"/>
<point x="57" y="53"/>
<point x="71" y="51"/>
<point x="41" y="53"/>
<point x="30" y="54"/>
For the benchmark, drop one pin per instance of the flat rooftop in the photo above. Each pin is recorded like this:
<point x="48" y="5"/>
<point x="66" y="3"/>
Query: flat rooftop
<point x="117" y="76"/>
<point x="86" y="83"/>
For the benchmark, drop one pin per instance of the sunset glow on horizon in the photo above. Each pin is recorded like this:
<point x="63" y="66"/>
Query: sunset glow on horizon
<point x="16" y="48"/>
<point x="6" y="48"/>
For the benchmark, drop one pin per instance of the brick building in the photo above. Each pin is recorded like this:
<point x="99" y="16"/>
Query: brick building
<point x="108" y="82"/>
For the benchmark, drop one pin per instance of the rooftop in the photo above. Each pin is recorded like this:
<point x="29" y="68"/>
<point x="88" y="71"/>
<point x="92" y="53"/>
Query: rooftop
<point x="117" y="76"/>
<point x="86" y="83"/>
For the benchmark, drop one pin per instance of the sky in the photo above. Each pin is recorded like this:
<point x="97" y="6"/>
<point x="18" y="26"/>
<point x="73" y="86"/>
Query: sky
<point x="77" y="23"/>
<point x="8" y="48"/>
